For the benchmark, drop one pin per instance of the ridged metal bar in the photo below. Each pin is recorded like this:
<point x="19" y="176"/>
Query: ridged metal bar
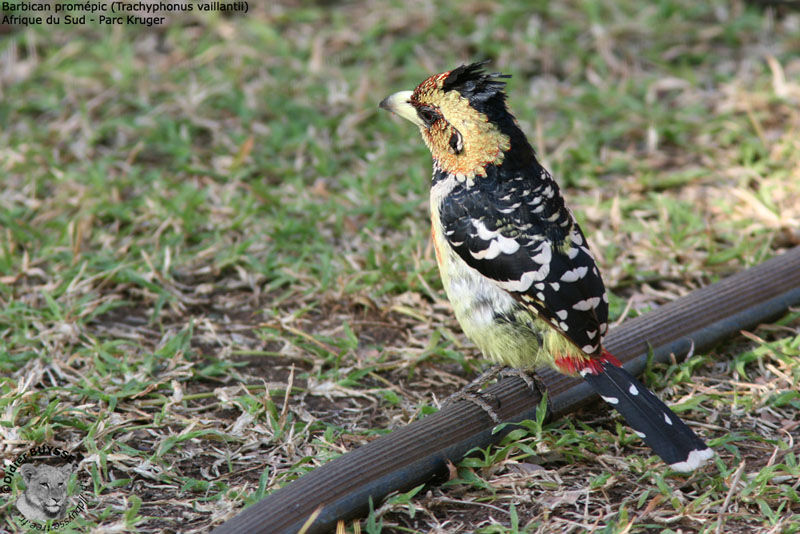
<point x="416" y="453"/>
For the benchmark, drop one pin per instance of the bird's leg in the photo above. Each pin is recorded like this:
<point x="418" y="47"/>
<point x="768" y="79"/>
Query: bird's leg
<point x="471" y="392"/>
<point x="484" y="378"/>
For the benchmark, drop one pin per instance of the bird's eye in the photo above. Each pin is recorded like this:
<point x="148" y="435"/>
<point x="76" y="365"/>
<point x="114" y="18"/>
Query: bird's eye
<point x="428" y="116"/>
<point x="456" y="142"/>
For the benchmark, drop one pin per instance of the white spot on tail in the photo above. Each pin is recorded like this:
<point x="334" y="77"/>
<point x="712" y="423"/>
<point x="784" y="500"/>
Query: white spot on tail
<point x="610" y="400"/>
<point x="634" y="391"/>
<point x="694" y="460"/>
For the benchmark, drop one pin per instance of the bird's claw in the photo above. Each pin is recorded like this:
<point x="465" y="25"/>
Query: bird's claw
<point x="532" y="380"/>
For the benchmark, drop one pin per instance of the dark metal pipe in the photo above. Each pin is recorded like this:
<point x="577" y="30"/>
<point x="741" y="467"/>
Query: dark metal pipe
<point x="416" y="453"/>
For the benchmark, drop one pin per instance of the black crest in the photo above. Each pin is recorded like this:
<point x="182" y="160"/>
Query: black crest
<point x="474" y="83"/>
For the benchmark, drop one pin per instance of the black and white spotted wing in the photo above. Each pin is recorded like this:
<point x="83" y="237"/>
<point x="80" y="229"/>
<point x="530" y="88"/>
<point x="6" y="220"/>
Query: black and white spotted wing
<point x="518" y="233"/>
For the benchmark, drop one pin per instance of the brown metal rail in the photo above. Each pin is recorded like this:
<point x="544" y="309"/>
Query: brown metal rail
<point x="416" y="453"/>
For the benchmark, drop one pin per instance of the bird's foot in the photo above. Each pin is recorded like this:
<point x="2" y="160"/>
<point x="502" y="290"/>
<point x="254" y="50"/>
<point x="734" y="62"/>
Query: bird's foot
<point x="471" y="392"/>
<point x="532" y="380"/>
<point x="482" y="400"/>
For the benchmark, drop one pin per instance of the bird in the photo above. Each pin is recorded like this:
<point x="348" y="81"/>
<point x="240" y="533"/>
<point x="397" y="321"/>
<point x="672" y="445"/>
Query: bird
<point x="515" y="265"/>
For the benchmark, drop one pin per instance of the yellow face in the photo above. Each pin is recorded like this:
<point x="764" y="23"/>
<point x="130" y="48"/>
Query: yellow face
<point x="461" y="139"/>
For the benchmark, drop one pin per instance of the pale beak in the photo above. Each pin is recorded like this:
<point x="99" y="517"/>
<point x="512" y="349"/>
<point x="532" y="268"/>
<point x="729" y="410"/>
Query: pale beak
<point x="400" y="105"/>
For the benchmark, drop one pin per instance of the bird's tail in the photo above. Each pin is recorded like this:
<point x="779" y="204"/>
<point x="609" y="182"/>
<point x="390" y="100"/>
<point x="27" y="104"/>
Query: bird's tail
<point x="651" y="419"/>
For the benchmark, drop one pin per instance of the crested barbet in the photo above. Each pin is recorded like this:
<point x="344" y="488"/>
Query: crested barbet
<point x="514" y="263"/>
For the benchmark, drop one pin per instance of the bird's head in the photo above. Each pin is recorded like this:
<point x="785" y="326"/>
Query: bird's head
<point x="463" y="118"/>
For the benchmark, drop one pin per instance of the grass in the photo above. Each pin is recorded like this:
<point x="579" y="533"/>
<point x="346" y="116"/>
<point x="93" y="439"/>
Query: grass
<point x="215" y="270"/>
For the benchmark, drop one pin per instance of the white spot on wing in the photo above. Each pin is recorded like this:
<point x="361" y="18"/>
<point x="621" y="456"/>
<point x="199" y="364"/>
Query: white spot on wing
<point x="544" y="256"/>
<point x="497" y="243"/>
<point x="562" y="314"/>
<point x="667" y="419"/>
<point x="640" y="434"/>
<point x="610" y="400"/>
<point x="573" y="275"/>
<point x="589" y="349"/>
<point x="526" y="280"/>
<point x="633" y="390"/>
<point x="511" y="208"/>
<point x="483" y="232"/>
<point x="586" y="305"/>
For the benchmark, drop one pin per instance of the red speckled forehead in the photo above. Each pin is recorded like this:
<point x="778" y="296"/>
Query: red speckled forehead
<point x="434" y="83"/>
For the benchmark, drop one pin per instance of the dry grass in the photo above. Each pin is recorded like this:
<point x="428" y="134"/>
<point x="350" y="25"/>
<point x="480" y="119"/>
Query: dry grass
<point x="215" y="273"/>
